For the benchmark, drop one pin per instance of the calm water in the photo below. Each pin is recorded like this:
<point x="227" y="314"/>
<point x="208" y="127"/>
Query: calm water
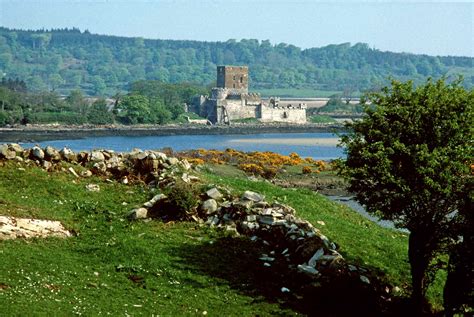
<point x="317" y="145"/>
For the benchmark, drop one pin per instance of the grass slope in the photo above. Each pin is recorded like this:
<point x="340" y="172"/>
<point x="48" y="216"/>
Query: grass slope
<point x="114" y="267"/>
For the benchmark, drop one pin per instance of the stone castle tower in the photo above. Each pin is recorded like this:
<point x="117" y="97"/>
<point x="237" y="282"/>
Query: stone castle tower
<point x="233" y="78"/>
<point x="230" y="100"/>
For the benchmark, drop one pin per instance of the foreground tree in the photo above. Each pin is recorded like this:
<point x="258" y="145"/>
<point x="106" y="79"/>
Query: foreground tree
<point x="459" y="288"/>
<point x="408" y="161"/>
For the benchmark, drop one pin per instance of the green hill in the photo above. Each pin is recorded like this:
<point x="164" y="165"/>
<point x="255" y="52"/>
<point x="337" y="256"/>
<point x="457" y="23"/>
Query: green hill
<point x="67" y="59"/>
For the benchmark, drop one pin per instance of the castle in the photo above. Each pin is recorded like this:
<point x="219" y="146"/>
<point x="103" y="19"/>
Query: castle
<point x="231" y="101"/>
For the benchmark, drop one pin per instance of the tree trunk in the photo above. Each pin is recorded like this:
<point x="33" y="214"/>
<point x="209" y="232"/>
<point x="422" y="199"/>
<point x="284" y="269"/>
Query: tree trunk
<point x="419" y="257"/>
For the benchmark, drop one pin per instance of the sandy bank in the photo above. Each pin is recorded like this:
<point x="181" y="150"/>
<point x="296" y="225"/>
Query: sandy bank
<point x="293" y="141"/>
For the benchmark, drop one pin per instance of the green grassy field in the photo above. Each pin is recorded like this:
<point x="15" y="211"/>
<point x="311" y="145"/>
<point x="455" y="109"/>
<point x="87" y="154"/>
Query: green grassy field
<point x="116" y="267"/>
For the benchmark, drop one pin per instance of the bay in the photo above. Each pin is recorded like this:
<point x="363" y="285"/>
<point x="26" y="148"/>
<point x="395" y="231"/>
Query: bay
<point x="321" y="146"/>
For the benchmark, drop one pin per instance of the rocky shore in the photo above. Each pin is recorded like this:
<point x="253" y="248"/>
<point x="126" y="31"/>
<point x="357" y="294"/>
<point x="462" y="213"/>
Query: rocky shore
<point x="36" y="133"/>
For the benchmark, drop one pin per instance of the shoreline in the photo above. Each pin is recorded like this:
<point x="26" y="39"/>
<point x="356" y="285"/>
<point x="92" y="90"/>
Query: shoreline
<point x="39" y="133"/>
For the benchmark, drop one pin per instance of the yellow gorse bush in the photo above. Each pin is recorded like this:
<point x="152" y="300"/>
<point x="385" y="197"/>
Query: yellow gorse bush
<point x="265" y="164"/>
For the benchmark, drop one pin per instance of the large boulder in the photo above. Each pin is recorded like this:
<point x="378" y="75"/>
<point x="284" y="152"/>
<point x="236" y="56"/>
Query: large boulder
<point x="209" y="206"/>
<point x="15" y="147"/>
<point x="6" y="152"/>
<point x="67" y="154"/>
<point x="214" y="193"/>
<point x="51" y="154"/>
<point x="139" y="213"/>
<point x="37" y="153"/>
<point x="252" y="196"/>
<point x="97" y="156"/>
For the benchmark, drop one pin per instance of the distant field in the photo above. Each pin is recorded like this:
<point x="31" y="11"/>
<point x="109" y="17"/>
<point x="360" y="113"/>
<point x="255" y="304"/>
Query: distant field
<point x="296" y="93"/>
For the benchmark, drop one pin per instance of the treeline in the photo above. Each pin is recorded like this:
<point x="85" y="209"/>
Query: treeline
<point x="150" y="102"/>
<point x="68" y="59"/>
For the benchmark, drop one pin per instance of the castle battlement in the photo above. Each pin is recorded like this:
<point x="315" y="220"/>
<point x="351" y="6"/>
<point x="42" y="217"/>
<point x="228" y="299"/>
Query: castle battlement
<point x="230" y="100"/>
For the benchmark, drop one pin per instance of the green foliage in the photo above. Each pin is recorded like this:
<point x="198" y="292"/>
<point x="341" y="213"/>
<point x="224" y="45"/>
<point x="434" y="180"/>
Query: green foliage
<point x="182" y="200"/>
<point x="134" y="109"/>
<point x="337" y="105"/>
<point x="409" y="161"/>
<point x="65" y="59"/>
<point x="171" y="96"/>
<point x="4" y="118"/>
<point x="99" y="114"/>
<point x="56" y="117"/>
<point x="77" y="102"/>
<point x="322" y="119"/>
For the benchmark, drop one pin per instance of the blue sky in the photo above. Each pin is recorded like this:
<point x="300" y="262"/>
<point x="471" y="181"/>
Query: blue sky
<point x="430" y="27"/>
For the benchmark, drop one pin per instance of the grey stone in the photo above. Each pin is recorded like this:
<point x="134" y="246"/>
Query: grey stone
<point x="93" y="187"/>
<point x="154" y="200"/>
<point x="7" y="153"/>
<point x="252" y="196"/>
<point x="99" y="167"/>
<point x="364" y="279"/>
<point x="138" y="213"/>
<point x="185" y="164"/>
<point x="172" y="161"/>
<point x="249" y="226"/>
<point x="86" y="173"/>
<point x="251" y="218"/>
<point x="161" y="156"/>
<point x="209" y="206"/>
<point x="270" y="220"/>
<point x="314" y="259"/>
<point x="141" y="156"/>
<point x="12" y="228"/>
<point x="185" y="178"/>
<point x="73" y="172"/>
<point x="46" y="165"/>
<point x="214" y="193"/>
<point x="212" y="221"/>
<point x="37" y="153"/>
<point x="352" y="268"/>
<point x="307" y="269"/>
<point x="51" y="154"/>
<point x="15" y="147"/>
<point x="232" y="229"/>
<point x="97" y="156"/>
<point x="67" y="154"/>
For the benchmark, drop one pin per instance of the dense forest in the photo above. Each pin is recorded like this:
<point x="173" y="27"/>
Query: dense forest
<point x="64" y="60"/>
<point x="148" y="102"/>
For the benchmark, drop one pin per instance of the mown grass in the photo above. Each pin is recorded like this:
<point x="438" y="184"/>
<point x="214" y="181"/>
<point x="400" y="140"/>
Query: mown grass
<point x="116" y="267"/>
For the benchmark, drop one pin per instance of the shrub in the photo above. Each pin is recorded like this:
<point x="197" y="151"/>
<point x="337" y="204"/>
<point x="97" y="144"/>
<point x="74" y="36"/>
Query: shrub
<point x="182" y="200"/>
<point x="307" y="170"/>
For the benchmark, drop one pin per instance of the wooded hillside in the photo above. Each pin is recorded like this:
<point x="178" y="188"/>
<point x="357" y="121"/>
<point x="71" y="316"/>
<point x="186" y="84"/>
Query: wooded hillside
<point x="67" y="59"/>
